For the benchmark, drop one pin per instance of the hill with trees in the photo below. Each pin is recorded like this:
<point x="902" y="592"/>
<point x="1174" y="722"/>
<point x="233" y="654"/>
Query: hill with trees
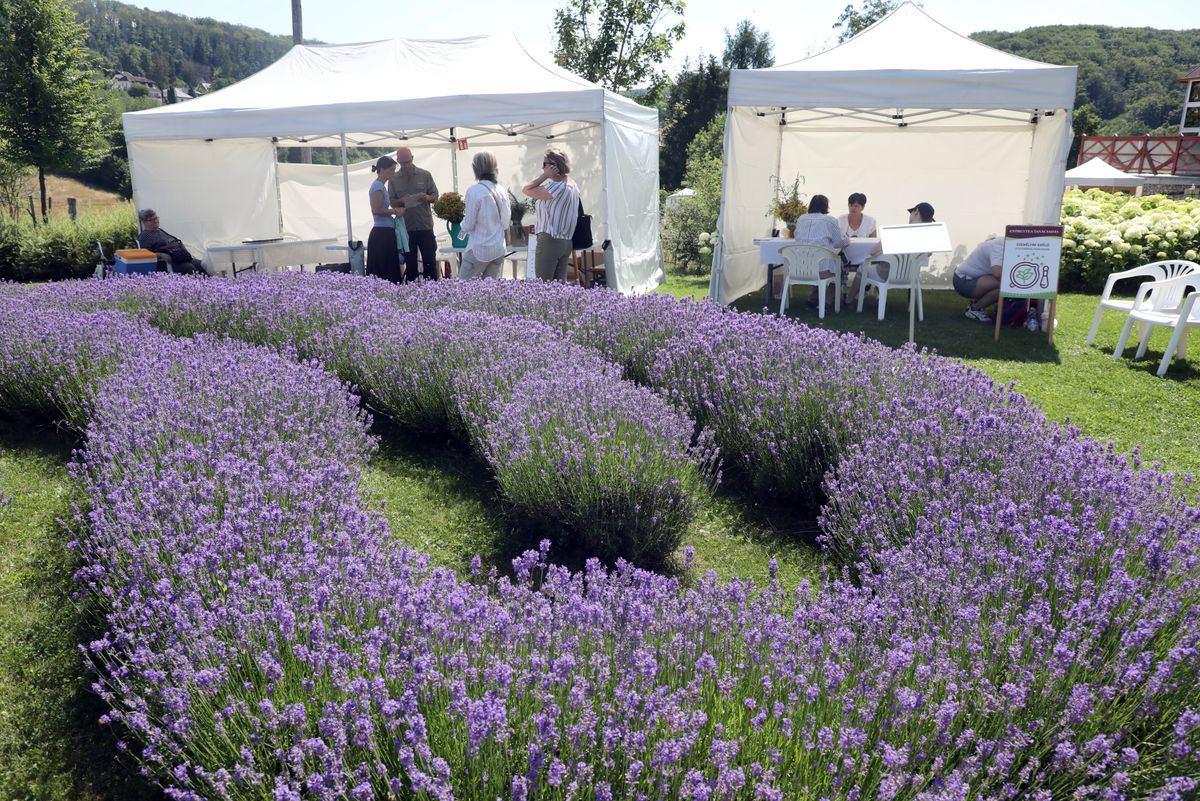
<point x="168" y="47"/>
<point x="1127" y="76"/>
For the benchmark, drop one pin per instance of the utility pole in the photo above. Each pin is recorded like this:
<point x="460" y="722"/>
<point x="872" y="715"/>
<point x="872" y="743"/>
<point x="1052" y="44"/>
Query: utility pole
<point x="298" y="38"/>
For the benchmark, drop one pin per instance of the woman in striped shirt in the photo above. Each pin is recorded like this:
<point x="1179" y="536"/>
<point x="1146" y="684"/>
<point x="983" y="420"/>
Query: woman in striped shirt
<point x="557" y="213"/>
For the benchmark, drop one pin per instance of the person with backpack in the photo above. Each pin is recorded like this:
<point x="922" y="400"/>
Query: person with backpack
<point x="558" y="209"/>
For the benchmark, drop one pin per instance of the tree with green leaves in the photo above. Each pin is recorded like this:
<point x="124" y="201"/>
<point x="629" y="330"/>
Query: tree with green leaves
<point x="618" y="44"/>
<point x="853" y="21"/>
<point x="701" y="92"/>
<point x="698" y="94"/>
<point x="48" y="119"/>
<point x="748" y="48"/>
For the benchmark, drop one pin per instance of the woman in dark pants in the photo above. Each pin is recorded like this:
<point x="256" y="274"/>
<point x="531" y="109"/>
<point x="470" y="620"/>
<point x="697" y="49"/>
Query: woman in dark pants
<point x="383" y="259"/>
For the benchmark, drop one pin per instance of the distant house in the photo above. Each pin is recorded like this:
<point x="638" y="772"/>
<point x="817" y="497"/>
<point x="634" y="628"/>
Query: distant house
<point x="120" y="79"/>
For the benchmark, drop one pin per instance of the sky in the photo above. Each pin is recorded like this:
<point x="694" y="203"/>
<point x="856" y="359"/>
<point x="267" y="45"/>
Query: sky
<point x="798" y="28"/>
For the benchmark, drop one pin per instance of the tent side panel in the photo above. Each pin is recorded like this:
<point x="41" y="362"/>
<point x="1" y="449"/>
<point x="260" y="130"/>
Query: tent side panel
<point x="312" y="200"/>
<point x="208" y="193"/>
<point x="751" y="150"/>
<point x="631" y="198"/>
<point x="1048" y="163"/>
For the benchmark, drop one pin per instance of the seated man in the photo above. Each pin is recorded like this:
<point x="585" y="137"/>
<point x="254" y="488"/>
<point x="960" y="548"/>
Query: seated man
<point x="978" y="278"/>
<point x="169" y="248"/>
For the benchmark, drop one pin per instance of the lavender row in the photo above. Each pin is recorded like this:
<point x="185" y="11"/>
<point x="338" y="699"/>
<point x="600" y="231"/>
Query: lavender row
<point x="997" y="648"/>
<point x="584" y="454"/>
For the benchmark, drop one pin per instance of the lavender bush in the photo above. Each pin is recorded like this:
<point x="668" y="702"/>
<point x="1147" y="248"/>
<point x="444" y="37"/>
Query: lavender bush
<point x="1015" y="623"/>
<point x="596" y="462"/>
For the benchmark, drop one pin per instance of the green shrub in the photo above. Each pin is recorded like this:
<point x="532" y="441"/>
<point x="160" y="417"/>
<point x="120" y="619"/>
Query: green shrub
<point x="63" y="248"/>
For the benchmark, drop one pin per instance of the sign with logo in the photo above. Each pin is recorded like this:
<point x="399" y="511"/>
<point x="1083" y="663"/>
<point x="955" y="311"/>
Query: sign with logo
<point x="1031" y="259"/>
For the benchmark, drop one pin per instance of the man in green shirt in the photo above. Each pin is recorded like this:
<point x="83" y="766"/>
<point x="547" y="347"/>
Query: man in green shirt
<point x="414" y="189"/>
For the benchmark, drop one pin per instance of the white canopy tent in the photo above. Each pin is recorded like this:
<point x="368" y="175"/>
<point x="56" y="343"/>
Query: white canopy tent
<point x="1098" y="172"/>
<point x="208" y="166"/>
<point x="907" y="111"/>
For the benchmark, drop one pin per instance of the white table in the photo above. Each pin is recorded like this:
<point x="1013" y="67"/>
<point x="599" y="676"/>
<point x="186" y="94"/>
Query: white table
<point x="513" y="253"/>
<point x="270" y="255"/>
<point x="768" y="253"/>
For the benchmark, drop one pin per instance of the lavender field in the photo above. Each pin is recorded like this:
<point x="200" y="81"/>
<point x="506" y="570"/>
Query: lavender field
<point x="999" y="622"/>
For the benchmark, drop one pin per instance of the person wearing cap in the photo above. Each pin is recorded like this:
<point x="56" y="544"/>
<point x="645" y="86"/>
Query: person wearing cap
<point x="978" y="278"/>
<point x="921" y="213"/>
<point x="170" y="249"/>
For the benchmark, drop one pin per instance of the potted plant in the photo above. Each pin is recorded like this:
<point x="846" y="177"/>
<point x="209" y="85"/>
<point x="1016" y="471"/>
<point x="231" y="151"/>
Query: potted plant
<point x="520" y="207"/>
<point x="788" y="204"/>
<point x="451" y="208"/>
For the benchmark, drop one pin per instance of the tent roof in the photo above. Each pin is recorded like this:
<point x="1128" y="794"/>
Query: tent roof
<point x="1098" y="172"/>
<point x="395" y="85"/>
<point x="907" y="60"/>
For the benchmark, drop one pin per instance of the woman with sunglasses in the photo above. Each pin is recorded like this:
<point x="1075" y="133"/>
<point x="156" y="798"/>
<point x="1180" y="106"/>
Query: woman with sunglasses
<point x="557" y="213"/>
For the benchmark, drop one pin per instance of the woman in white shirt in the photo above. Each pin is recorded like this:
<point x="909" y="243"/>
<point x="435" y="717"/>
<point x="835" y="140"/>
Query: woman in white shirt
<point x="487" y="215"/>
<point x="855" y="224"/>
<point x="557" y="199"/>
<point x="819" y="228"/>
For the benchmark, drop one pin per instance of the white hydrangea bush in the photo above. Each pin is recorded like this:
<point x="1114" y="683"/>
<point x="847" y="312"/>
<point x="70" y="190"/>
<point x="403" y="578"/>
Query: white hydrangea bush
<point x="1105" y="232"/>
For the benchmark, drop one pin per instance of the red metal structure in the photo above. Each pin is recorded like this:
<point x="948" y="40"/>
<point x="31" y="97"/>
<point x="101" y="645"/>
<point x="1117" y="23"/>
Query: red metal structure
<point x="1146" y="155"/>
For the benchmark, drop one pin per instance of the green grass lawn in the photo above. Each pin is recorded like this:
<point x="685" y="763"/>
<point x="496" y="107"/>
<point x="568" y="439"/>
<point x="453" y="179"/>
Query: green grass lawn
<point x="51" y="746"/>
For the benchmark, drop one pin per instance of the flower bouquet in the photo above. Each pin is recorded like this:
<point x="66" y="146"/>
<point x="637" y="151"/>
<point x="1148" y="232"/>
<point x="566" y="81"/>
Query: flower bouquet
<point x="788" y="204"/>
<point x="451" y="208"/>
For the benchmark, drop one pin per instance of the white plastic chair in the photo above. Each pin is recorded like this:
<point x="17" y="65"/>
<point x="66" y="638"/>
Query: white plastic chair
<point x="804" y="263"/>
<point x="902" y="270"/>
<point x="1164" y="310"/>
<point x="1157" y="271"/>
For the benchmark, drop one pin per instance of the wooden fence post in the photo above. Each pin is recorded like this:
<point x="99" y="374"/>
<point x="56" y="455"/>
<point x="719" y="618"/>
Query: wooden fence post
<point x="72" y="207"/>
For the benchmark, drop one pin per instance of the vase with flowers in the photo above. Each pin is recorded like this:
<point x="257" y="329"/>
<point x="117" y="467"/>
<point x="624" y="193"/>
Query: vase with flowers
<point x="450" y="207"/>
<point x="788" y="204"/>
<point x="519" y="206"/>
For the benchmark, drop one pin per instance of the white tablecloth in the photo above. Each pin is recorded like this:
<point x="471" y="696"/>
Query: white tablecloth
<point x="856" y="252"/>
<point x="269" y="256"/>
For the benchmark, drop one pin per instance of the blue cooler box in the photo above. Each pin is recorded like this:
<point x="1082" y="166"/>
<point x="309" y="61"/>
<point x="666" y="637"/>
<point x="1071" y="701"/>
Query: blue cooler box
<point x="135" y="261"/>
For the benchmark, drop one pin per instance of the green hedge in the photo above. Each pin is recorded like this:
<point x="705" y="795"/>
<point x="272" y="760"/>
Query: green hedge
<point x="63" y="248"/>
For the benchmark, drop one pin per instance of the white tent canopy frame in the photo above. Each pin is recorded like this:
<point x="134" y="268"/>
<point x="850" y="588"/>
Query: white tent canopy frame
<point x="209" y="166"/>
<point x="907" y="111"/>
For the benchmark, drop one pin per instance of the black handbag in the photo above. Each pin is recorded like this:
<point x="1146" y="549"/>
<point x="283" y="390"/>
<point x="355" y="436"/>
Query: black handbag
<point x="582" y="238"/>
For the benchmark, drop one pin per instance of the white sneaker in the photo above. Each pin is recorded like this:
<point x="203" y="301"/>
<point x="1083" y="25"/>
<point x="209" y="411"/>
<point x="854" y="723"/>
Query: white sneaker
<point x="978" y="314"/>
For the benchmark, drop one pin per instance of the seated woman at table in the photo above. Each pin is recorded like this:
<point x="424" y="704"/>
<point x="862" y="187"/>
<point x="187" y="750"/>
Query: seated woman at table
<point x="819" y="228"/>
<point x="854" y="223"/>
<point x="486" y="217"/>
<point x="383" y="257"/>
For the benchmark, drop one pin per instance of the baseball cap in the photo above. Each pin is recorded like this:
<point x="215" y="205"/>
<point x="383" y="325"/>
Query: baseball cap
<point x="925" y="210"/>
